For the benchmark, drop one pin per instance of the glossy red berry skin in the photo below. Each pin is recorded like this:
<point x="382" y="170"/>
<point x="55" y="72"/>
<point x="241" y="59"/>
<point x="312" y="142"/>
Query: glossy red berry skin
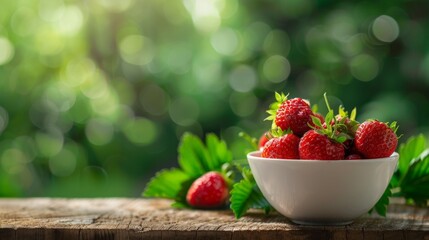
<point x="208" y="191"/>
<point x="375" y="139"/>
<point x="316" y="146"/>
<point x="295" y="114"/>
<point x="263" y="140"/>
<point x="285" y="147"/>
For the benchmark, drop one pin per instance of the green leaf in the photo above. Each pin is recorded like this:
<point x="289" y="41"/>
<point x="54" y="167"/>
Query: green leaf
<point x="246" y="194"/>
<point x="252" y="141"/>
<point x="180" y="199"/>
<point x="415" y="184"/>
<point x="278" y="97"/>
<point x="218" y="151"/>
<point x="381" y="206"/>
<point x="342" y="112"/>
<point x="353" y="114"/>
<point x="315" y="108"/>
<point x="196" y="159"/>
<point x="341" y="139"/>
<point x="408" y="151"/>
<point x="316" y="121"/>
<point x="193" y="156"/>
<point x="166" y="184"/>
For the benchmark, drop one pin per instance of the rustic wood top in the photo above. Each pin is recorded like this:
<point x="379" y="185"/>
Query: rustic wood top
<point x="44" y="218"/>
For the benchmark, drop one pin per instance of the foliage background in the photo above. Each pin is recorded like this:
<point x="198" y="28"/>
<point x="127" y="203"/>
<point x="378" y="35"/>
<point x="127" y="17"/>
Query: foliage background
<point x="94" y="95"/>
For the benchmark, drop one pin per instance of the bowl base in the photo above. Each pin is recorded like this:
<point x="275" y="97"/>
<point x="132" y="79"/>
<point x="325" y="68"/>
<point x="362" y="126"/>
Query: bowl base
<point x="321" y="223"/>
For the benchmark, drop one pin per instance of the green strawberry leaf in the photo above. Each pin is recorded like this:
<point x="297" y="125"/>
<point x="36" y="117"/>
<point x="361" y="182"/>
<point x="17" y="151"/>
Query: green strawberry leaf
<point x="218" y="152"/>
<point x="246" y="194"/>
<point x="166" y="184"/>
<point x="180" y="199"/>
<point x="381" y="206"/>
<point x="415" y="184"/>
<point x="195" y="159"/>
<point x="353" y="115"/>
<point x="315" y="108"/>
<point x="252" y="141"/>
<point x="407" y="152"/>
<point x="280" y="98"/>
<point x="342" y="112"/>
<point x="316" y="122"/>
<point x="193" y="156"/>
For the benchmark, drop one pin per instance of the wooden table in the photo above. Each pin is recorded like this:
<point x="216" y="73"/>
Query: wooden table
<point x="44" y="218"/>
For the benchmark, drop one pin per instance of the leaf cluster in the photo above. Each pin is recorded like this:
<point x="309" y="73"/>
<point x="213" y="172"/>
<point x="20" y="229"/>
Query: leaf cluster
<point x="195" y="159"/>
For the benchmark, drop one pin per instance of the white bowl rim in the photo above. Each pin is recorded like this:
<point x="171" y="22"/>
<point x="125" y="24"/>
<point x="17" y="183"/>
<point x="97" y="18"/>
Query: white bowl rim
<point x="257" y="154"/>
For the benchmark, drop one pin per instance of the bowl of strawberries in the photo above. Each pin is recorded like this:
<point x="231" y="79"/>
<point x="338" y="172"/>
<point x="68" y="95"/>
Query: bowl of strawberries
<point x="318" y="169"/>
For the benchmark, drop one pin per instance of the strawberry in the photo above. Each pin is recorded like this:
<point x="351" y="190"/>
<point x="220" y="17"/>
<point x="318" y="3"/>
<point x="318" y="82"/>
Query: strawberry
<point x="315" y="145"/>
<point x="263" y="140"/>
<point x="376" y="139"/>
<point x="208" y="191"/>
<point x="284" y="147"/>
<point x="294" y="114"/>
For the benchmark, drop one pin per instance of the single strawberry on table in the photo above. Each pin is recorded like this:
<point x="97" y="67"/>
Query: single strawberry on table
<point x="375" y="139"/>
<point x="284" y="147"/>
<point x="208" y="191"/>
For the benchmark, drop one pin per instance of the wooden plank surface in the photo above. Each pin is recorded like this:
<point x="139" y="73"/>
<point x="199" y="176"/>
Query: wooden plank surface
<point x="44" y="218"/>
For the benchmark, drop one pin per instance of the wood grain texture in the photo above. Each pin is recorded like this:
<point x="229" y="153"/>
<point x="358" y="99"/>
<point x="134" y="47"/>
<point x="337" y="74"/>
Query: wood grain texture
<point x="43" y="218"/>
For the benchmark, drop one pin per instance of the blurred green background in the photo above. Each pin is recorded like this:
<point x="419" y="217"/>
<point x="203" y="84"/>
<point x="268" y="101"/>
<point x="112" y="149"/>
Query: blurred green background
<point x="94" y="95"/>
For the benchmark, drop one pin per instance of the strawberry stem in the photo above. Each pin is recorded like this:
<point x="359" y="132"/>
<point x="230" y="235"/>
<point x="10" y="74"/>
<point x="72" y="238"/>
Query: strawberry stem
<point x="326" y="101"/>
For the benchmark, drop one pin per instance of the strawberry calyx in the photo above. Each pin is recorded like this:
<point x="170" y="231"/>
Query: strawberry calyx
<point x="338" y="128"/>
<point x="278" y="132"/>
<point x="394" y="126"/>
<point x="333" y="130"/>
<point x="272" y="111"/>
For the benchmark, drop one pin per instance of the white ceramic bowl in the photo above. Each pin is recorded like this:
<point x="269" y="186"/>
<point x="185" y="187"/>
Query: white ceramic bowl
<point x="319" y="191"/>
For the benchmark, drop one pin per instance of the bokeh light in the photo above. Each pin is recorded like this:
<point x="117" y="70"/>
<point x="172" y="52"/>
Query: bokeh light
<point x="225" y="41"/>
<point x="276" y="68"/>
<point x="6" y="50"/>
<point x="243" y="78"/>
<point x="385" y="28"/>
<point x="154" y="100"/>
<point x="4" y="119"/>
<point x="49" y="143"/>
<point x="140" y="131"/>
<point x="184" y="111"/>
<point x="99" y="131"/>
<point x="205" y="14"/>
<point x="137" y="49"/>
<point x="364" y="67"/>
<point x="63" y="164"/>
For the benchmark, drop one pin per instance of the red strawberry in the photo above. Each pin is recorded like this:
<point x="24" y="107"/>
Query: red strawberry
<point x="263" y="140"/>
<point x="376" y="139"/>
<point x="208" y="191"/>
<point x="294" y="114"/>
<point x="314" y="145"/>
<point x="285" y="147"/>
